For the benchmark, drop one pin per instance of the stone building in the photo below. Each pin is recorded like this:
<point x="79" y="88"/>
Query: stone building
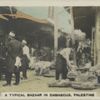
<point x="88" y="20"/>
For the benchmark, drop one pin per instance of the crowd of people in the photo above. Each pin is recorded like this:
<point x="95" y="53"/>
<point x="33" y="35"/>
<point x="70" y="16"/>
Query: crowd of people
<point x="14" y="57"/>
<point x="69" y="54"/>
<point x="17" y="57"/>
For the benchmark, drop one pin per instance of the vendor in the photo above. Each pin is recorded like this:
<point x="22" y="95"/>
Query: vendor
<point x="62" y="63"/>
<point x="61" y="67"/>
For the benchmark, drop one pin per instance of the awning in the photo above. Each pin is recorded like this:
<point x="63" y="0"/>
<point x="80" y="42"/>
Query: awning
<point x="21" y="15"/>
<point x="2" y="17"/>
<point x="27" y="26"/>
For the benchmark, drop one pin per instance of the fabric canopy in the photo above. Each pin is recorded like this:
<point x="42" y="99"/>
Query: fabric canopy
<point x="20" y="15"/>
<point x="2" y="17"/>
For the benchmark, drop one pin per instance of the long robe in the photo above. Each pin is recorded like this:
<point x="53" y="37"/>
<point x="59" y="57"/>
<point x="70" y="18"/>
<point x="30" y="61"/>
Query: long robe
<point x="14" y="49"/>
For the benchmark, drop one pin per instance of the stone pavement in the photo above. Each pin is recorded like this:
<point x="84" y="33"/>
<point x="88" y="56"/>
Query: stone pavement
<point x="38" y="84"/>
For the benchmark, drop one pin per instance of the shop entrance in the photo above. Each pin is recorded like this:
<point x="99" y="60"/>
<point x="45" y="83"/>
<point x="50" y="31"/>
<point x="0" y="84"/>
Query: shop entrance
<point x="84" y="19"/>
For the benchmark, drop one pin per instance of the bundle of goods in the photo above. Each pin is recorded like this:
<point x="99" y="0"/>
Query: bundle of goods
<point x="83" y="69"/>
<point x="72" y="75"/>
<point x="86" y="77"/>
<point x="92" y="77"/>
<point x="82" y="77"/>
<point x="83" y="85"/>
<point x="79" y="35"/>
<point x="95" y="68"/>
<point x="33" y="60"/>
<point x="42" y="67"/>
<point x="61" y="83"/>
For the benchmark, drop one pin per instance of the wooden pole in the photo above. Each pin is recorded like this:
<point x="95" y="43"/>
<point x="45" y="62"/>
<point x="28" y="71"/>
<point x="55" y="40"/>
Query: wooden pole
<point x="48" y="12"/>
<point x="55" y="34"/>
<point x="73" y="38"/>
<point x="93" y="45"/>
<point x="72" y="18"/>
<point x="97" y="35"/>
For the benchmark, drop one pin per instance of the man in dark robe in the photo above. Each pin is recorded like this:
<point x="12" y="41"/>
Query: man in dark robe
<point x="14" y="49"/>
<point x="61" y="67"/>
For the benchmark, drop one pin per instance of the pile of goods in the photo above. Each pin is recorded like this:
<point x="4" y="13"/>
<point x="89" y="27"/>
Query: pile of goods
<point x="79" y="35"/>
<point x="71" y="75"/>
<point x="61" y="83"/>
<point x="83" y="85"/>
<point x="42" y="67"/>
<point x="86" y="80"/>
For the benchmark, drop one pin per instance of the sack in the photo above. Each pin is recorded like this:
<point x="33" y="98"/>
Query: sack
<point x="18" y="62"/>
<point x="72" y="74"/>
<point x="83" y="86"/>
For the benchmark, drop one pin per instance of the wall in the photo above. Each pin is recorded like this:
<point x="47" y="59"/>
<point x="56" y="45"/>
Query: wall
<point x="97" y="36"/>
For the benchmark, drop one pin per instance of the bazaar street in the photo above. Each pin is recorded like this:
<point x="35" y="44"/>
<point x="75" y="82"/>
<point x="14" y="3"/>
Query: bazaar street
<point x="56" y="51"/>
<point x="39" y="84"/>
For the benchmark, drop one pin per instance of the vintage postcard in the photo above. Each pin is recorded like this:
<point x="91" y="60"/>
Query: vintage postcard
<point x="49" y="50"/>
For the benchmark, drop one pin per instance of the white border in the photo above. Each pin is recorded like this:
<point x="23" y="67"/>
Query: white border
<point x="50" y="2"/>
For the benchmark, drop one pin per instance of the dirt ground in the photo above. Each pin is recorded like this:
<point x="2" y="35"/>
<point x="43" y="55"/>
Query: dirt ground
<point x="38" y="84"/>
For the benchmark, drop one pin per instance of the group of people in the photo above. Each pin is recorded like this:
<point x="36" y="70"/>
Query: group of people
<point x="79" y="53"/>
<point x="83" y="53"/>
<point x="17" y="59"/>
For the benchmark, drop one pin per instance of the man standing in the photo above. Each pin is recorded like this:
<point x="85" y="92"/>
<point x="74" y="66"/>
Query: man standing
<point x="62" y="63"/>
<point x="61" y="67"/>
<point x="14" y="49"/>
<point x="25" y="59"/>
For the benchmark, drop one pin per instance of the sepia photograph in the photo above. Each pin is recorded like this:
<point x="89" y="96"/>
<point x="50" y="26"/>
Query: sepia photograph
<point x="50" y="49"/>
